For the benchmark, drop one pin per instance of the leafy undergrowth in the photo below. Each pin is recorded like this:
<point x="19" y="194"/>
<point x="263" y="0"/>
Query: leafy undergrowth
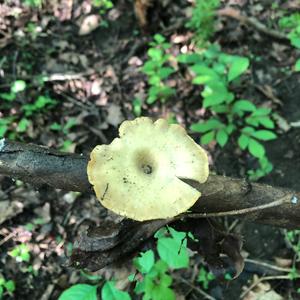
<point x="68" y="85"/>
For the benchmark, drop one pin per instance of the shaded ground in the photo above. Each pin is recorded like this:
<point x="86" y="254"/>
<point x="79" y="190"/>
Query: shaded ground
<point x="93" y="101"/>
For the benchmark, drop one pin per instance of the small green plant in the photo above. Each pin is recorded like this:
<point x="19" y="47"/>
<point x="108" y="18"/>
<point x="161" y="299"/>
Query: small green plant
<point x="65" y="129"/>
<point x="173" y="254"/>
<point x="154" y="282"/>
<point x="6" y="286"/>
<point x="103" y="5"/>
<point x="158" y="70"/>
<point x="17" y="124"/>
<point x="216" y="71"/>
<point x="21" y="253"/>
<point x="292" y="238"/>
<point x="33" y="3"/>
<point x="292" y="23"/>
<point x="205" y="277"/>
<point x="202" y="21"/>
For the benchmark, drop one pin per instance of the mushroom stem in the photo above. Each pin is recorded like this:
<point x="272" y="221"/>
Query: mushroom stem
<point x="39" y="166"/>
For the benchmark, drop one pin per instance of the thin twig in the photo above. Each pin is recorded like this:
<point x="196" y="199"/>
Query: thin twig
<point x="253" y="22"/>
<point x="197" y="289"/>
<point x="278" y="277"/>
<point x="269" y="266"/>
<point x="235" y="212"/>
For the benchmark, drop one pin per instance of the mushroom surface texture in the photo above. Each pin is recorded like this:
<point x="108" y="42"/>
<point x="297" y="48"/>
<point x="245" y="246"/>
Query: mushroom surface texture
<point x="139" y="175"/>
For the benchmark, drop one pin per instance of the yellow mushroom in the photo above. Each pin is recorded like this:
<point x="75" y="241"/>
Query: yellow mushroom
<point x="139" y="174"/>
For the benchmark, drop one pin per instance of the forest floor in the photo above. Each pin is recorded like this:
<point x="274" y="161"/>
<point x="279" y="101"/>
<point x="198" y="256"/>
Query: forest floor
<point x="80" y="86"/>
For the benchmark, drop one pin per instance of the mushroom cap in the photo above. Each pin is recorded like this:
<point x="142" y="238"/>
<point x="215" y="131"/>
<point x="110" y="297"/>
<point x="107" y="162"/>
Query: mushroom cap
<point x="139" y="174"/>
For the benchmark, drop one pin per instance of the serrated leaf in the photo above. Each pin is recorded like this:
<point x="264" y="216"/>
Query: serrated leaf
<point x="222" y="137"/>
<point x="239" y="65"/>
<point x="173" y="252"/>
<point x="207" y="138"/>
<point x="80" y="291"/>
<point x="206" y="126"/>
<point x="264" y="135"/>
<point x="145" y="261"/>
<point x="256" y="148"/>
<point x="243" y="141"/>
<point x="109" y="292"/>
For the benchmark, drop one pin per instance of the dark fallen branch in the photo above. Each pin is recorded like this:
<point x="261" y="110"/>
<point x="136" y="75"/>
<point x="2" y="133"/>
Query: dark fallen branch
<point x="252" y="22"/>
<point x="221" y="196"/>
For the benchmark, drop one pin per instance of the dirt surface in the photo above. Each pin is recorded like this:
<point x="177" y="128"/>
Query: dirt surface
<point x="94" y="78"/>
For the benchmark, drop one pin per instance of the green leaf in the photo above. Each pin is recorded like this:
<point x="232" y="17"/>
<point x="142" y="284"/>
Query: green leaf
<point x="8" y="96"/>
<point x="90" y="276"/>
<point x="202" y="70"/>
<point x="154" y="80"/>
<point x="205" y="277"/>
<point x="243" y="141"/>
<point x="18" y="86"/>
<point x="256" y="148"/>
<point x="222" y="137"/>
<point x="155" y="53"/>
<point x="3" y="129"/>
<point x="207" y="138"/>
<point x="266" y="122"/>
<point x="137" y="106"/>
<point x="264" y="135"/>
<point x="173" y="252"/>
<point x="149" y="67"/>
<point x="206" y="126"/>
<point x="55" y="126"/>
<point x="165" y="72"/>
<point x="297" y="65"/>
<point x="10" y="286"/>
<point x="80" y="291"/>
<point x="295" y="41"/>
<point x="23" y="124"/>
<point x="159" y="38"/>
<point x="263" y="111"/>
<point x="238" y="66"/>
<point x="145" y="262"/>
<point x="42" y="101"/>
<point x="1" y="291"/>
<point x="214" y="99"/>
<point x="109" y="292"/>
<point x="243" y="105"/>
<point x="189" y="58"/>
